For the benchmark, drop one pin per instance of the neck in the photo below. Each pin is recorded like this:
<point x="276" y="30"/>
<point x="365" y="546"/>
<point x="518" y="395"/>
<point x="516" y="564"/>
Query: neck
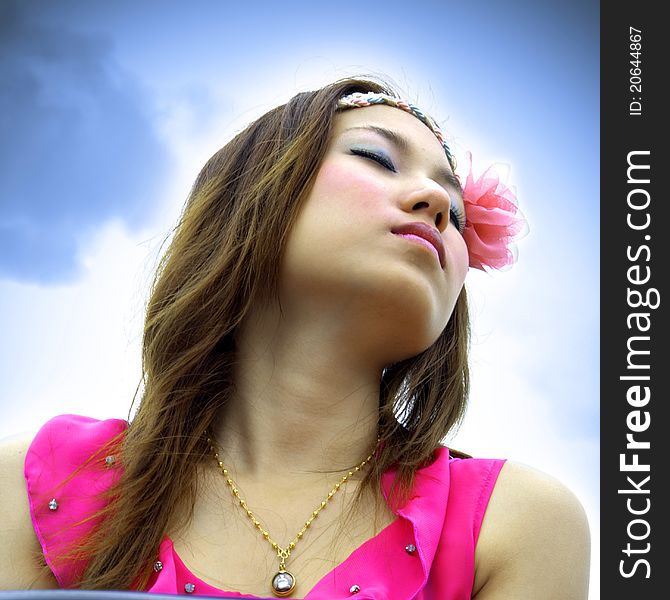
<point x="305" y="403"/>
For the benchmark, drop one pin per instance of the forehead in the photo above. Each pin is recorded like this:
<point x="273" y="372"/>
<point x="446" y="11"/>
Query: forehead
<point x="421" y="139"/>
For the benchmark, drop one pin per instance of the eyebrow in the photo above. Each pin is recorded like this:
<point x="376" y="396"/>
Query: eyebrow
<point x="402" y="143"/>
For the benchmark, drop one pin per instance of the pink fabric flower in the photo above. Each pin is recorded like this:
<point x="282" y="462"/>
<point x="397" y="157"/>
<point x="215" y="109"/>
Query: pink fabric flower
<point x="492" y="220"/>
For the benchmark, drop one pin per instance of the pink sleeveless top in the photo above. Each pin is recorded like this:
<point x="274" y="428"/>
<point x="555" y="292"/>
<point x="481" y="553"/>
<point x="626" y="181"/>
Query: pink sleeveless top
<point x="426" y="553"/>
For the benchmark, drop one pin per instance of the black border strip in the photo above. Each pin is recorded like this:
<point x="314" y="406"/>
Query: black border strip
<point x="634" y="375"/>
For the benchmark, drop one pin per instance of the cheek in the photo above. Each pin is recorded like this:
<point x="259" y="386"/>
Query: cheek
<point x="463" y="258"/>
<point x="345" y="190"/>
<point x="458" y="257"/>
<point x="342" y="210"/>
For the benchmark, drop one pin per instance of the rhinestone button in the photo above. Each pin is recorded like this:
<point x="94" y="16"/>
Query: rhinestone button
<point x="410" y="548"/>
<point x="110" y="460"/>
<point x="354" y="589"/>
<point x="53" y="505"/>
<point x="189" y="588"/>
<point x="158" y="566"/>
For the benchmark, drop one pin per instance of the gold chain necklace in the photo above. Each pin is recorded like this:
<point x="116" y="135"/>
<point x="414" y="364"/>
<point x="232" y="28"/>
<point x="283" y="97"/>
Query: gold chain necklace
<point x="283" y="582"/>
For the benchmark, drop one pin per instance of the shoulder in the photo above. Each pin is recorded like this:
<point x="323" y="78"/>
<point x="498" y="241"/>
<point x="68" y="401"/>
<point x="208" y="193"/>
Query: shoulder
<point x="67" y="453"/>
<point x="534" y="540"/>
<point x="33" y="470"/>
<point x="20" y="565"/>
<point x="71" y="437"/>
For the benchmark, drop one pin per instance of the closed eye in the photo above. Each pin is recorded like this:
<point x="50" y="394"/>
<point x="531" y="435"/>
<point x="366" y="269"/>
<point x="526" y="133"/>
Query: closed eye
<point x="378" y="157"/>
<point x="457" y="218"/>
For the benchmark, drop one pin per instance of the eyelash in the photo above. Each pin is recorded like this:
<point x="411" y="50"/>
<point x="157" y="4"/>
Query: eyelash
<point x="455" y="214"/>
<point x="381" y="159"/>
<point x="457" y="218"/>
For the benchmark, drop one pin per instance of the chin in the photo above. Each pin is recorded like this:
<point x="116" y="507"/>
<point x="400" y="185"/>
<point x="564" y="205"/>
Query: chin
<point x="410" y="329"/>
<point x="402" y="348"/>
<point x="417" y="291"/>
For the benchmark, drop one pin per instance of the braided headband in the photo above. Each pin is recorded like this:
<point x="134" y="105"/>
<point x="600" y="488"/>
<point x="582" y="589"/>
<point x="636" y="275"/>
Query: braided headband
<point x="492" y="218"/>
<point x="359" y="99"/>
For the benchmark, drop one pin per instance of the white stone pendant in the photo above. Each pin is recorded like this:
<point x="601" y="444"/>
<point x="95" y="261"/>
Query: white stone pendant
<point x="283" y="583"/>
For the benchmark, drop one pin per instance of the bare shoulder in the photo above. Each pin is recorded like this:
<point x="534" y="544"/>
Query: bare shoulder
<point x="534" y="541"/>
<point x="20" y="552"/>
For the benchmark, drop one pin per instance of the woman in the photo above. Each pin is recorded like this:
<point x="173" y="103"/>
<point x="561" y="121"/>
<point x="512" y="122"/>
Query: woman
<point x="305" y="352"/>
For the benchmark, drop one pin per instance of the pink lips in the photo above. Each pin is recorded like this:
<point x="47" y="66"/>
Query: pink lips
<point x="424" y="233"/>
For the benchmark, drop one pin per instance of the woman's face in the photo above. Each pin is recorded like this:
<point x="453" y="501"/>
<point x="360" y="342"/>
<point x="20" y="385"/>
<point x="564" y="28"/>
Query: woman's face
<point x="380" y="229"/>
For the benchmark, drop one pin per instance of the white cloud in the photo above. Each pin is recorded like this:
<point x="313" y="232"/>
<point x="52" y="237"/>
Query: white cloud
<point x="512" y="415"/>
<point x="75" y="348"/>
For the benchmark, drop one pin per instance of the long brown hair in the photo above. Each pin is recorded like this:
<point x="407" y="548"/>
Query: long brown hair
<point x="224" y="257"/>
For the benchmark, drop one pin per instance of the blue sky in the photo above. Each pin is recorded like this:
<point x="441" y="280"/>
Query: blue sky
<point x="108" y="110"/>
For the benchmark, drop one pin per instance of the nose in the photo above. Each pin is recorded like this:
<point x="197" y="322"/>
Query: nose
<point x="431" y="200"/>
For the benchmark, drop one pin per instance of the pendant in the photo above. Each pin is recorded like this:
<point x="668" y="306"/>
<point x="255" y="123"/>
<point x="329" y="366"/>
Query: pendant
<point x="283" y="583"/>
